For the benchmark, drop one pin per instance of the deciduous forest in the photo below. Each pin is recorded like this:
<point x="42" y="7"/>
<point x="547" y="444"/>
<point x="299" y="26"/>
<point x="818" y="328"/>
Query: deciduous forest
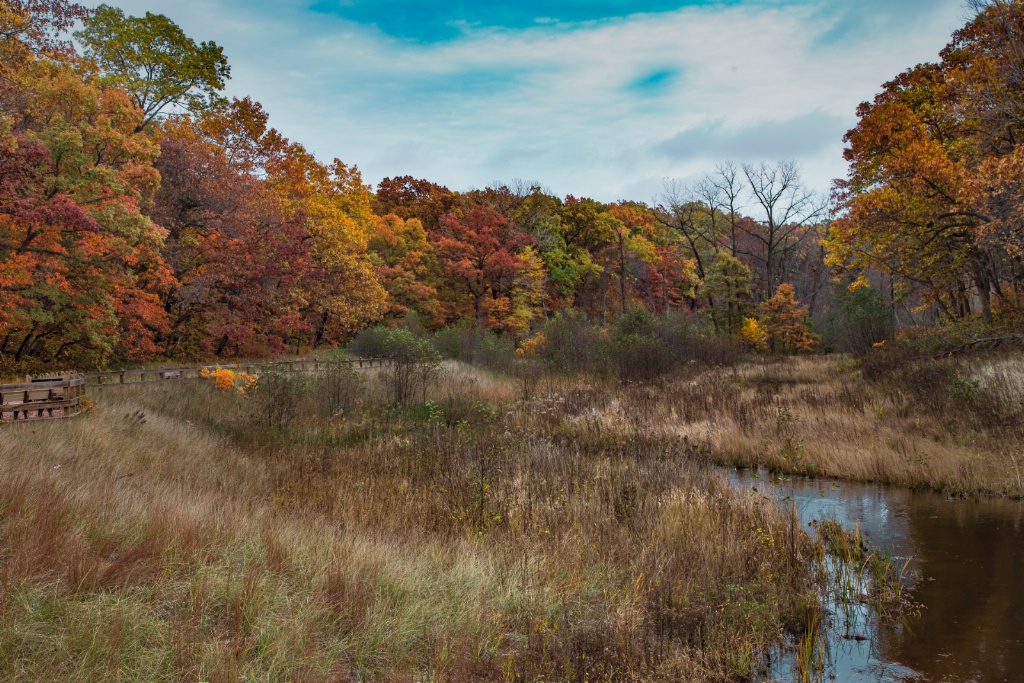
<point x="145" y="216"/>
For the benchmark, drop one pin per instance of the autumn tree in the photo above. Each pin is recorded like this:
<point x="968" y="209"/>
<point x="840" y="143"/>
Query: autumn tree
<point x="153" y="60"/>
<point x="785" y="208"/>
<point x="337" y="208"/>
<point x="408" y="197"/>
<point x="37" y="27"/>
<point x="727" y="285"/>
<point x="693" y="221"/>
<point x="405" y="264"/>
<point x="722" y="193"/>
<point x="931" y="195"/>
<point x="80" y="265"/>
<point x="784" y="321"/>
<point x="528" y="295"/>
<point x="241" y="262"/>
<point x="479" y="255"/>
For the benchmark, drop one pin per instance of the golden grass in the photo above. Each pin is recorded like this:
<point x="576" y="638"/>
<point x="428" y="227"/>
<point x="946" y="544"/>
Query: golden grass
<point x="817" y="416"/>
<point x="168" y="536"/>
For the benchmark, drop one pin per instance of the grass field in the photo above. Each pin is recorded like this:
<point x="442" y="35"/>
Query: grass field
<point x="957" y="427"/>
<point x="181" y="533"/>
<point x="495" y="528"/>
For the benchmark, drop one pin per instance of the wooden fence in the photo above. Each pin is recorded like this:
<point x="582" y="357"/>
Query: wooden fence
<point x="58" y="397"/>
<point x="121" y="378"/>
<point x="42" y="398"/>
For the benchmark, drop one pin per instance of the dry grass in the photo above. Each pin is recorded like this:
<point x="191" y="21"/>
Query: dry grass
<point x="168" y="536"/>
<point x="957" y="428"/>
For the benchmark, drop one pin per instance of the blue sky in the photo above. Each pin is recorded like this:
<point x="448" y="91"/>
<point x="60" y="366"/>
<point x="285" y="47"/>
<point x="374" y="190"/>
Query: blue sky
<point x="601" y="98"/>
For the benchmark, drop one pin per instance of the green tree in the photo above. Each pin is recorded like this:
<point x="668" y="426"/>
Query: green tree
<point x="154" y="61"/>
<point x="728" y="285"/>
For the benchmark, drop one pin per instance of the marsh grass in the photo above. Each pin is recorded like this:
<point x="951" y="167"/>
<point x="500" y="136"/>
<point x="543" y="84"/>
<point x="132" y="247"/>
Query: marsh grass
<point x="173" y="535"/>
<point x="952" y="426"/>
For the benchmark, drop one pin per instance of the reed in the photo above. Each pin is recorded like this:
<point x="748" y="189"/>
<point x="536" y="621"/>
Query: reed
<point x="956" y="427"/>
<point x="172" y="534"/>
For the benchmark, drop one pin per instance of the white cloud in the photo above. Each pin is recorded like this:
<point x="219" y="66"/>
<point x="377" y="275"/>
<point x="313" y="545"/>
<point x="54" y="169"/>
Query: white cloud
<point x="556" y="105"/>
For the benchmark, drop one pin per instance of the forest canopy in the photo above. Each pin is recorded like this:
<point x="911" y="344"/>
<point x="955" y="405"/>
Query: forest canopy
<point x="145" y="215"/>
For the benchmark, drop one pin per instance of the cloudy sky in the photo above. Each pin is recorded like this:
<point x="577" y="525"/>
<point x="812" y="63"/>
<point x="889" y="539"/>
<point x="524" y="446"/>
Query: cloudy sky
<point x="602" y="98"/>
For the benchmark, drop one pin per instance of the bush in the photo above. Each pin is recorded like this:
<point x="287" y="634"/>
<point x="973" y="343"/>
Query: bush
<point x="337" y="389"/>
<point x="458" y="342"/>
<point x="279" y="398"/>
<point x="638" y="323"/>
<point x="528" y="373"/>
<point x="496" y="353"/>
<point x="693" y="339"/>
<point x="414" y="366"/>
<point x="573" y="344"/>
<point x="862" y="319"/>
<point x="468" y="343"/>
<point x="370" y="342"/>
<point x="642" y="358"/>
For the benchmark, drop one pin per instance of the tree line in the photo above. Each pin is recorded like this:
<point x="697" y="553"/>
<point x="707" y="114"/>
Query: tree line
<point x="144" y="215"/>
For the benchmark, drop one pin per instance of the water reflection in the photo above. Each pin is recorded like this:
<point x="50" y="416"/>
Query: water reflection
<point x="970" y="558"/>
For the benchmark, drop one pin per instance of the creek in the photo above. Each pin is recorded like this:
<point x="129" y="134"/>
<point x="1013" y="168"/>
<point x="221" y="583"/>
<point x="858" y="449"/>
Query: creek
<point x="967" y="558"/>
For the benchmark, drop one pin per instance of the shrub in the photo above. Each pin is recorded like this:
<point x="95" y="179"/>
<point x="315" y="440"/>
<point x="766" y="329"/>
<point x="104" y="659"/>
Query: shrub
<point x="370" y="342"/>
<point x="637" y="323"/>
<point x="414" y="366"/>
<point x="867" y="319"/>
<point x="641" y="358"/>
<point x="528" y="373"/>
<point x="753" y="335"/>
<point x="532" y="346"/>
<point x="693" y="339"/>
<point x="337" y="389"/>
<point x="575" y="345"/>
<point x="458" y="342"/>
<point x="785" y="322"/>
<point x="496" y="353"/>
<point x="469" y="343"/>
<point x="279" y="398"/>
<point x="226" y="379"/>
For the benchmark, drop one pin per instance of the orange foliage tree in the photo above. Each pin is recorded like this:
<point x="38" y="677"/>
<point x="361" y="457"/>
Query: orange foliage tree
<point x="81" y="270"/>
<point x="479" y="257"/>
<point x="784" y="321"/>
<point x="933" y="192"/>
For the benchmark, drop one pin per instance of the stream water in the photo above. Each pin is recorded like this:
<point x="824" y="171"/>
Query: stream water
<point x="968" y="556"/>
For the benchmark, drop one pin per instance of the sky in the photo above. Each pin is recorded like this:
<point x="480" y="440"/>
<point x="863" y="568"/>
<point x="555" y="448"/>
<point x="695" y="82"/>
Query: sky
<point x="608" y="99"/>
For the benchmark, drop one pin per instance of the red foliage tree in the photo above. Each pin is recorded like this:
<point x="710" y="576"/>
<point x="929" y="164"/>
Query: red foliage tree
<point x="479" y="256"/>
<point x="239" y="259"/>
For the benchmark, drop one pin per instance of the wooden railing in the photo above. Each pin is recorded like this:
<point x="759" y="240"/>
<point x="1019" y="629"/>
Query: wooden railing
<point x="42" y="398"/>
<point x="120" y="378"/>
<point x="60" y="396"/>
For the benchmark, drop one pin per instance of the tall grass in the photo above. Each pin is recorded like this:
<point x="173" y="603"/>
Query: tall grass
<point x="951" y="426"/>
<point x="174" y="535"/>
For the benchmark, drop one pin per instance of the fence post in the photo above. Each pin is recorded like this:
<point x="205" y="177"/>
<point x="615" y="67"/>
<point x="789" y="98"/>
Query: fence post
<point x="122" y="375"/>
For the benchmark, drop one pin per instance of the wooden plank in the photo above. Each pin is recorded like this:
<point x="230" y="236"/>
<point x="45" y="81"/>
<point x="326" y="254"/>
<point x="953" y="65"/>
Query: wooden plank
<point x="36" y="395"/>
<point x="13" y="398"/>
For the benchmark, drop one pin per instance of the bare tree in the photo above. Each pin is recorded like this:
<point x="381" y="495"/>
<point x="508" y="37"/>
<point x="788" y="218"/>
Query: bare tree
<point x="684" y="211"/>
<point x="786" y="209"/>
<point x="722" y="191"/>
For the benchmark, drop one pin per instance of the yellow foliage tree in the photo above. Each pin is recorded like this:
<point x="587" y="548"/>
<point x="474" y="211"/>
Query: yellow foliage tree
<point x="340" y="219"/>
<point x="753" y="335"/>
